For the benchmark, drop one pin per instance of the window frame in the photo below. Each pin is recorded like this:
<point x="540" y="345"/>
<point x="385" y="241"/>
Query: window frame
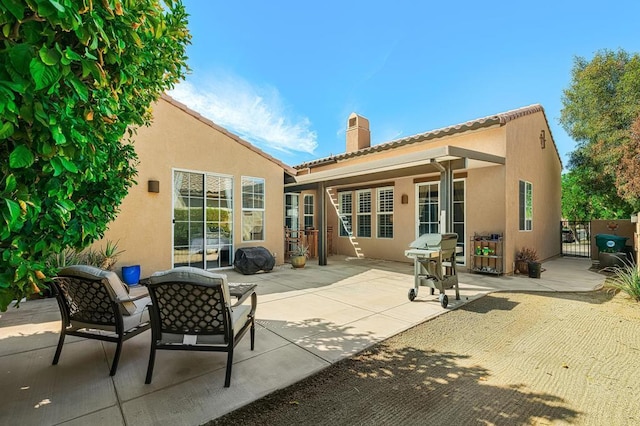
<point x="343" y="232"/>
<point x="253" y="209"/>
<point x="362" y="215"/>
<point x="382" y="210"/>
<point x="525" y="206"/>
<point x="306" y="215"/>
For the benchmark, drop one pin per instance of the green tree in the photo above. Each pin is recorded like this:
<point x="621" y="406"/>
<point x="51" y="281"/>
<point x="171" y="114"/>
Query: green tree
<point x="580" y="203"/>
<point x="599" y="108"/>
<point x="76" y="79"/>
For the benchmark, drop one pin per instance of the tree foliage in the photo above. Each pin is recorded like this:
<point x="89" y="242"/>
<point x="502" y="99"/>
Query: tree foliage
<point x="75" y="78"/>
<point x="580" y="202"/>
<point x="599" y="108"/>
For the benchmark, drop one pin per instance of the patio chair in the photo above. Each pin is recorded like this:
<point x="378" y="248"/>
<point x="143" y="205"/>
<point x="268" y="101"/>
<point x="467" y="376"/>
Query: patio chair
<point x="191" y="310"/>
<point x="95" y="304"/>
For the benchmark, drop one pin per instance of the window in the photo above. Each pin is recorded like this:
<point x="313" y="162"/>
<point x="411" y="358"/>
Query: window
<point x="252" y="209"/>
<point x="428" y="205"/>
<point x="526" y="206"/>
<point x="202" y="220"/>
<point x="385" y="212"/>
<point x="291" y="211"/>
<point x="346" y="209"/>
<point x="363" y="214"/>
<point x="459" y="217"/>
<point x="308" y="211"/>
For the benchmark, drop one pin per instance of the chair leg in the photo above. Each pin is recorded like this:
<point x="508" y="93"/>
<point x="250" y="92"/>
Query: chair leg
<point x="152" y="360"/>
<point x="56" y="357"/>
<point x="227" y="378"/>
<point x="116" y="358"/>
<point x="253" y="333"/>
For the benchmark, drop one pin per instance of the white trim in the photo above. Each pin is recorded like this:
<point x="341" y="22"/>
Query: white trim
<point x="379" y="213"/>
<point x="204" y="174"/>
<point x="416" y="214"/>
<point x="263" y="209"/>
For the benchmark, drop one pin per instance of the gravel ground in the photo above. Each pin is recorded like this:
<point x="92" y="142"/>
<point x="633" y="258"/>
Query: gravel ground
<point x="504" y="359"/>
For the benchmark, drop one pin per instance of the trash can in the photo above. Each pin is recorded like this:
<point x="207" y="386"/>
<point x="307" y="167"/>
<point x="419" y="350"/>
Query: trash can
<point x="610" y="243"/>
<point x="535" y="269"/>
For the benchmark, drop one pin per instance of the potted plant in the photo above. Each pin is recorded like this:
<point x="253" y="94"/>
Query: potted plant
<point x="299" y="256"/>
<point x="523" y="257"/>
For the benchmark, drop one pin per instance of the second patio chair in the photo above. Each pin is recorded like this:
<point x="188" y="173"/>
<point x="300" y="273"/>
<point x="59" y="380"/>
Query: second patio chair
<point x="192" y="311"/>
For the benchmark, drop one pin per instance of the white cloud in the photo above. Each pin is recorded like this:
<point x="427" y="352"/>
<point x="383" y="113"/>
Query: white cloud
<point x="255" y="114"/>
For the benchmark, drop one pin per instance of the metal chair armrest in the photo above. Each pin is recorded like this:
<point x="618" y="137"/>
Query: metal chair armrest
<point x="242" y="292"/>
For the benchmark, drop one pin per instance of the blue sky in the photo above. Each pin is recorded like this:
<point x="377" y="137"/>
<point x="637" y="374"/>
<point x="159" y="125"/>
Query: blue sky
<point x="285" y="75"/>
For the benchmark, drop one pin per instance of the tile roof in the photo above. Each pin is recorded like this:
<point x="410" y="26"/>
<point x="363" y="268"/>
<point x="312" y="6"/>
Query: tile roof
<point x="479" y="123"/>
<point x="236" y="138"/>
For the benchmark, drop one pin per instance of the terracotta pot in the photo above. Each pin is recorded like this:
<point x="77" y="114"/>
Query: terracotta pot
<point x="298" y="261"/>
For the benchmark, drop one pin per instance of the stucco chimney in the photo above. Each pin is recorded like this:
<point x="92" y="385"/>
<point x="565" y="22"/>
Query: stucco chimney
<point x="358" y="133"/>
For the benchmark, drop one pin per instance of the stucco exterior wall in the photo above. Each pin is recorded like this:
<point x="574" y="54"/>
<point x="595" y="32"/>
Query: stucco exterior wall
<point x="527" y="160"/>
<point x="178" y="140"/>
<point x="491" y="193"/>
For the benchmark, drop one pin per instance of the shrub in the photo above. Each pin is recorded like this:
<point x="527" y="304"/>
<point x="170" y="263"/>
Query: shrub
<point x="526" y="254"/>
<point x="626" y="278"/>
<point x="77" y="79"/>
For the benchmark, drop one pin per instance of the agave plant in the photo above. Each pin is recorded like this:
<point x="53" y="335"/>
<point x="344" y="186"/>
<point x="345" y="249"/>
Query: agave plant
<point x="626" y="278"/>
<point x="104" y="258"/>
<point x="300" y="250"/>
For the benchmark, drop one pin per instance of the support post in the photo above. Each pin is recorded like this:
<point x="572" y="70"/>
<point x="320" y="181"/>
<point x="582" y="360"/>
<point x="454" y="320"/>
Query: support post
<point x="322" y="225"/>
<point x="446" y="196"/>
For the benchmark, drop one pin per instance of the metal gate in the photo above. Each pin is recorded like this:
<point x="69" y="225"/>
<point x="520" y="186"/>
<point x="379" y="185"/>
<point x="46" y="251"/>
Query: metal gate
<point x="575" y="238"/>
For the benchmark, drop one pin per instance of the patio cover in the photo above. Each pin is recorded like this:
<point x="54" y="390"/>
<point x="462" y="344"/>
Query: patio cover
<point x="445" y="160"/>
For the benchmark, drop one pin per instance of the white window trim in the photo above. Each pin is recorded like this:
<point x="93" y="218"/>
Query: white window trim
<point x="386" y="213"/>
<point x="416" y="212"/>
<point x="233" y="209"/>
<point x="527" y="186"/>
<point x="462" y="260"/>
<point x="304" y="210"/>
<point x="358" y="213"/>
<point x="340" y="211"/>
<point x="263" y="209"/>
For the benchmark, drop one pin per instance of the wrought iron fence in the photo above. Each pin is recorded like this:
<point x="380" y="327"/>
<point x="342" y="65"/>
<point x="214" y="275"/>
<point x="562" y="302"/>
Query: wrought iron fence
<point x="575" y="238"/>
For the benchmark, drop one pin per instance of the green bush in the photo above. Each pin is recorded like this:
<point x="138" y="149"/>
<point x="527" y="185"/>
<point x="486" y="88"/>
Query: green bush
<point x="76" y="79"/>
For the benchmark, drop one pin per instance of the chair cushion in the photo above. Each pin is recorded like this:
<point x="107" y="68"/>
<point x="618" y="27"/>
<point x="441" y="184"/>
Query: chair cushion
<point x="118" y="290"/>
<point x="139" y="316"/>
<point x="195" y="276"/>
<point x="239" y="317"/>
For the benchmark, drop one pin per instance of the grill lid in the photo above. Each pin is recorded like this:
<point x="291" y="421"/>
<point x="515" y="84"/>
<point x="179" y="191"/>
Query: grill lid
<point x="435" y="241"/>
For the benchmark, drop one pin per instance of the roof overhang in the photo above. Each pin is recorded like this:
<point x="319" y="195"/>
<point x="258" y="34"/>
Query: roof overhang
<point x="417" y="163"/>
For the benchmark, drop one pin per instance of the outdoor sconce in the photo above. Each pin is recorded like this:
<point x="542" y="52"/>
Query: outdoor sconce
<point x="404" y="199"/>
<point x="153" y="186"/>
<point x="543" y="139"/>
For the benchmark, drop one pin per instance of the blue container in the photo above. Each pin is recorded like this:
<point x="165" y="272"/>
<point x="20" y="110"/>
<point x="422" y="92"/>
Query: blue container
<point x="610" y="243"/>
<point x="131" y="274"/>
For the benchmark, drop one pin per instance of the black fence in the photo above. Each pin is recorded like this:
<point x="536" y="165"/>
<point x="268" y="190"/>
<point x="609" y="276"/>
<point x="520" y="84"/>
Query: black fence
<point x="575" y="237"/>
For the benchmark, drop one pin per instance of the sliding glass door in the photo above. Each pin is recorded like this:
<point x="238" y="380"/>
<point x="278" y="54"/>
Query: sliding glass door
<point x="202" y="220"/>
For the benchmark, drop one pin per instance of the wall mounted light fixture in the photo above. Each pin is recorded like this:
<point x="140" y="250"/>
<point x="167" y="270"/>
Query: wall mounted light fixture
<point x="153" y="186"/>
<point x="404" y="199"/>
<point x="543" y="139"/>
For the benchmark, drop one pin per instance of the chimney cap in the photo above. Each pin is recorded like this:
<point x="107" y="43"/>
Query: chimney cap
<point x="356" y="120"/>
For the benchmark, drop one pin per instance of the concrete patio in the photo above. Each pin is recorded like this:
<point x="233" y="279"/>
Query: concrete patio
<point x="307" y="319"/>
